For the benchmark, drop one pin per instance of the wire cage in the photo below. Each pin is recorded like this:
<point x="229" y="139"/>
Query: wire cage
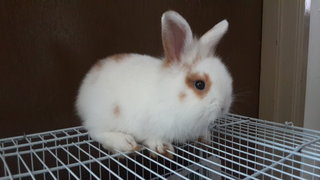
<point x="240" y="148"/>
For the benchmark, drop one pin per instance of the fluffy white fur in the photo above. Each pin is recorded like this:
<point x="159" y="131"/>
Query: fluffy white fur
<point x="147" y="94"/>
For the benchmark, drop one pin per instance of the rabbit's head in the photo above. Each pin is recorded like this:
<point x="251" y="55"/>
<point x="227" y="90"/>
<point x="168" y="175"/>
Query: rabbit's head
<point x="206" y="82"/>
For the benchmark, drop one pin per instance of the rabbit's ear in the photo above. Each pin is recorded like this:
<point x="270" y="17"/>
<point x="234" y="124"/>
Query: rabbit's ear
<point x="176" y="36"/>
<point x="211" y="38"/>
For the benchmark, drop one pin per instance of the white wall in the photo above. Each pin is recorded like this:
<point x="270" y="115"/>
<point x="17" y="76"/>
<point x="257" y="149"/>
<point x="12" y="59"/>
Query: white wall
<point x="312" y="100"/>
<point x="284" y="56"/>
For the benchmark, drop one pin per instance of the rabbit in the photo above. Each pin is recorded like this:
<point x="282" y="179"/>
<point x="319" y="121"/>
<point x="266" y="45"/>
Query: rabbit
<point x="130" y="99"/>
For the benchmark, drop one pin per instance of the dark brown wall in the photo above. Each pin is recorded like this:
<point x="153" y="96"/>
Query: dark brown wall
<point x="46" y="47"/>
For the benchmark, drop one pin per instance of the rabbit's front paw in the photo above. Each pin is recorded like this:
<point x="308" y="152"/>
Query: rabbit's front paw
<point x="166" y="149"/>
<point x="117" y="141"/>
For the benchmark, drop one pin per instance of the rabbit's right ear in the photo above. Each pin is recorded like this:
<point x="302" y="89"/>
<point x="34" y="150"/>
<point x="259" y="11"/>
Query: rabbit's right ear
<point x="211" y="38"/>
<point x="176" y="36"/>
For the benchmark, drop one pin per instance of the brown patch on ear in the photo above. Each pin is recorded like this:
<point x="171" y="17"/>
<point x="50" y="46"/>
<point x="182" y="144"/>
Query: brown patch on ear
<point x="182" y="96"/>
<point x="166" y="63"/>
<point x="193" y="77"/>
<point x="116" y="111"/>
<point x="119" y="57"/>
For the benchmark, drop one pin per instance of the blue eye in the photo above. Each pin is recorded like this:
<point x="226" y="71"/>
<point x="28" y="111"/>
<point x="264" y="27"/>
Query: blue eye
<point x="199" y="84"/>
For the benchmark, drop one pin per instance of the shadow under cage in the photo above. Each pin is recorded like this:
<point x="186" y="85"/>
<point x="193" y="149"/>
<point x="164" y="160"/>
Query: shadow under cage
<point x="239" y="148"/>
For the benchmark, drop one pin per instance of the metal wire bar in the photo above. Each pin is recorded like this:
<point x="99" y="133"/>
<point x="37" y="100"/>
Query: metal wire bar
<point x="202" y="176"/>
<point x="26" y="166"/>
<point x="284" y="159"/>
<point x="56" y="168"/>
<point x="37" y="143"/>
<point x="280" y="133"/>
<point x="191" y="154"/>
<point x="80" y="163"/>
<point x="278" y="142"/>
<point x="39" y="134"/>
<point x="258" y="140"/>
<point x="113" y="173"/>
<point x="47" y="170"/>
<point x="235" y="162"/>
<point x="176" y="162"/>
<point x="6" y="168"/>
<point x="232" y="123"/>
<point x="141" y="165"/>
<point x="63" y="164"/>
<point x="263" y="158"/>
<point x="310" y="153"/>
<point x="174" y="172"/>
<point x="43" y="149"/>
<point x="309" y="132"/>
<point x="239" y="147"/>
<point x="287" y="138"/>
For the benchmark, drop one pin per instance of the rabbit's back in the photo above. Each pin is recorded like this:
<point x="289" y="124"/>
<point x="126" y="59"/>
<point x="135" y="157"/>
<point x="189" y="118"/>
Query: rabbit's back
<point x="115" y="89"/>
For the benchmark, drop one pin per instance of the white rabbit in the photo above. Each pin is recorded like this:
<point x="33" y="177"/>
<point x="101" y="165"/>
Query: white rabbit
<point x="127" y="99"/>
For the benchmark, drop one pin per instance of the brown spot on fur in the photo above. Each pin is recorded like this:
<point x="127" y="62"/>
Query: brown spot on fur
<point x="137" y="148"/>
<point x="182" y="96"/>
<point x="98" y="65"/>
<point x="168" y="62"/>
<point x="116" y="111"/>
<point x="165" y="152"/>
<point x="168" y="155"/>
<point x="193" y="77"/>
<point x="118" y="57"/>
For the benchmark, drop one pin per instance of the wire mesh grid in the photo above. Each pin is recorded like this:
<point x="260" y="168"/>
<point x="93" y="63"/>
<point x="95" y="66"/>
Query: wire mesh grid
<point x="239" y="148"/>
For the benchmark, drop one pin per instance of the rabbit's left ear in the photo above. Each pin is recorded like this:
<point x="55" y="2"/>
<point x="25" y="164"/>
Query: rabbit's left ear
<point x="211" y="38"/>
<point x="176" y="36"/>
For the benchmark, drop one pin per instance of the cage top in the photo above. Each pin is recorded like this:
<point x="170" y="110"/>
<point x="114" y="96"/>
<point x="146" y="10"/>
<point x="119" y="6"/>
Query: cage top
<point x="240" y="148"/>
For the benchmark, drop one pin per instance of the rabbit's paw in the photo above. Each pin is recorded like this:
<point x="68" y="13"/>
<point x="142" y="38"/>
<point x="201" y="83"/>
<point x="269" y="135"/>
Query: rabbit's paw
<point x="117" y="141"/>
<point x="166" y="149"/>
